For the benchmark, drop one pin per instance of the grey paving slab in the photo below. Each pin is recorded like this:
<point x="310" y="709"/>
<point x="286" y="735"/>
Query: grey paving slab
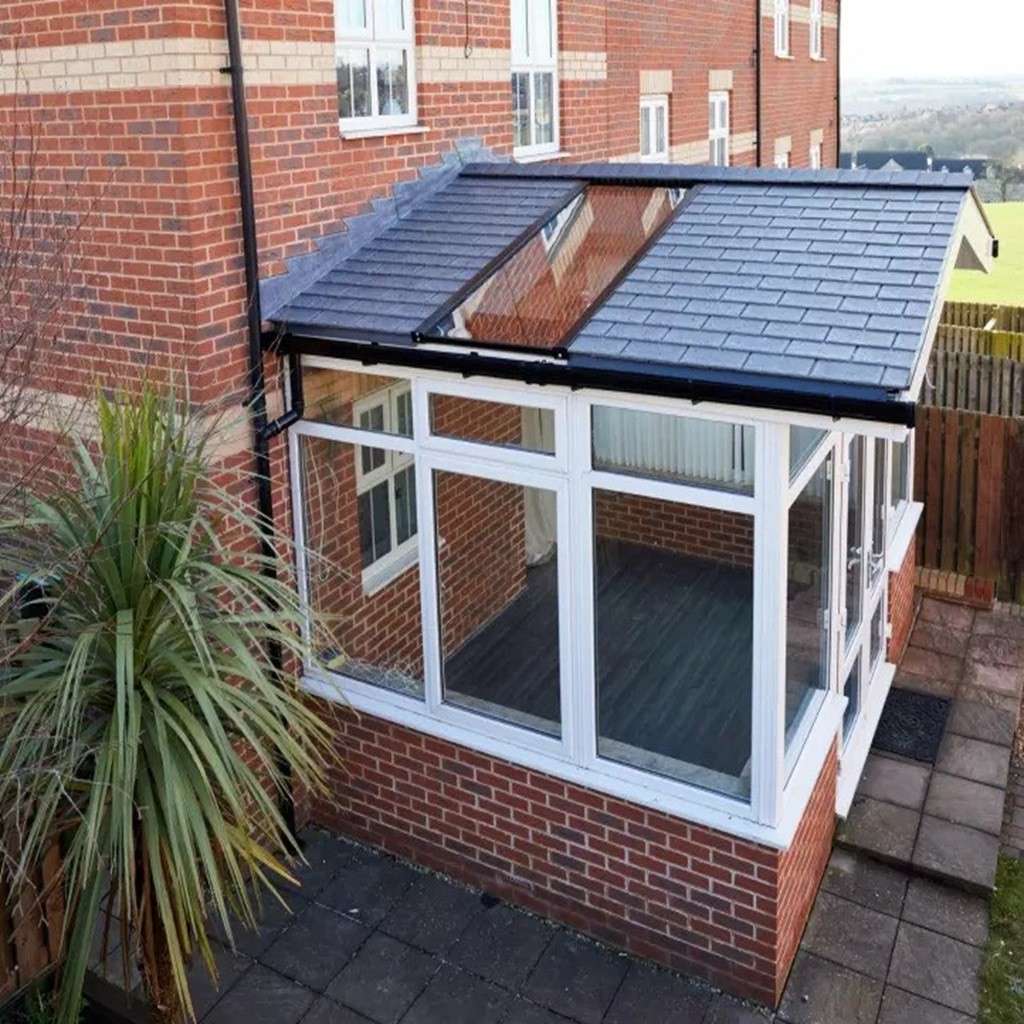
<point x="576" y="978"/>
<point x="895" y="781"/>
<point x="326" y="1011"/>
<point x="939" y="668"/>
<point x="384" y="979"/>
<point x="974" y="759"/>
<point x="324" y="856"/>
<point x="996" y="649"/>
<point x="821" y="992"/>
<point x="946" y="910"/>
<point x="725" y="1010"/>
<point x="982" y="722"/>
<point x="865" y="881"/>
<point x="994" y="680"/>
<point x="315" y="947"/>
<point x="881" y="829"/>
<point x="274" y="916"/>
<point x="849" y="934"/>
<point x="650" y="994"/>
<point x="930" y="636"/>
<point x="262" y="996"/>
<point x="899" y="1007"/>
<point x="998" y="623"/>
<point x="367" y="887"/>
<point x="503" y="945"/>
<point x="936" y="967"/>
<point x="966" y="803"/>
<point x="523" y="1012"/>
<point x="207" y="989"/>
<point x="947" y="614"/>
<point x="432" y="914"/>
<point x="457" y="997"/>
<point x="956" y="853"/>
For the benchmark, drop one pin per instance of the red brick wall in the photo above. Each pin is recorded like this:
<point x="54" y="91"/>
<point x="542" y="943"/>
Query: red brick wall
<point x="687" y="896"/>
<point x="902" y="604"/>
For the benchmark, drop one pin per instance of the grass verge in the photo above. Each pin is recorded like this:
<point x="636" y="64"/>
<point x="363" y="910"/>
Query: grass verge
<point x="1005" y="285"/>
<point x="1002" y="978"/>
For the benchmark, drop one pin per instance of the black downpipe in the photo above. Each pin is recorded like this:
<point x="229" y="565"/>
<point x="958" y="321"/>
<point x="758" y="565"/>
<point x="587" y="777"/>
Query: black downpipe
<point x="757" y="75"/>
<point x="256" y="397"/>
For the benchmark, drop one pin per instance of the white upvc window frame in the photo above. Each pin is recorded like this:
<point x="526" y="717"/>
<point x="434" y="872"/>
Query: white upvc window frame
<point x="817" y="33"/>
<point x="780" y="786"/>
<point x="719" y="127"/>
<point x="654" y="113"/>
<point x="783" y="28"/>
<point x="372" y="40"/>
<point x="814" y="156"/>
<point x="782" y="161"/>
<point x="527" y="61"/>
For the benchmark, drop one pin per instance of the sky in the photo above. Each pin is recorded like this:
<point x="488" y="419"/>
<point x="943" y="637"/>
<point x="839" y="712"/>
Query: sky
<point x="933" y="38"/>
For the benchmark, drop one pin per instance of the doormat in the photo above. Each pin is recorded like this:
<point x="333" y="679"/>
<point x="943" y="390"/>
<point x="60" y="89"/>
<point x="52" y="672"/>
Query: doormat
<point x="912" y="725"/>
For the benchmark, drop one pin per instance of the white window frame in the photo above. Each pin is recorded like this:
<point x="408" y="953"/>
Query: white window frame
<point x="369" y="39"/>
<point x="814" y="156"/>
<point x="782" y="161"/>
<point x="782" y="28"/>
<point x="381" y="571"/>
<point x="780" y="786"/>
<point x="654" y="108"/>
<point x="719" y="102"/>
<point x="530" y="64"/>
<point x="817" y="44"/>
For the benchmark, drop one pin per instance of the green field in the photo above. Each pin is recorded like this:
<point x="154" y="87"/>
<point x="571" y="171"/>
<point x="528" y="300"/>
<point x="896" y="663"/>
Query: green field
<point x="1005" y="285"/>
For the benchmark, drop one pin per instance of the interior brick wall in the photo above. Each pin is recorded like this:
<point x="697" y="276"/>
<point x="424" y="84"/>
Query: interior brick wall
<point x="902" y="604"/>
<point x="690" y="897"/>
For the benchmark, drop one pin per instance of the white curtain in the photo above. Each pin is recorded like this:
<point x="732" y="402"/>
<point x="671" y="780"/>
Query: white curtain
<point x="692" y="450"/>
<point x="541" y="507"/>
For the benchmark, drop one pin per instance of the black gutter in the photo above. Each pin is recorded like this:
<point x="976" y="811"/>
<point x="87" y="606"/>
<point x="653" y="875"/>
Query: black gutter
<point x="256" y="398"/>
<point x="758" y="31"/>
<point x="787" y="394"/>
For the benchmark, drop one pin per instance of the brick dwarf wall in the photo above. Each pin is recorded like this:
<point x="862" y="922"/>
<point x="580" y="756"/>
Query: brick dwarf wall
<point x="902" y="604"/>
<point x="690" y="897"/>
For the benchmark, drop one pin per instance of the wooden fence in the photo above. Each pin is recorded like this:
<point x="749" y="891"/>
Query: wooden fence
<point x="984" y="315"/>
<point x="976" y="383"/>
<point x="969" y="473"/>
<point x="30" y="930"/>
<point x="979" y="341"/>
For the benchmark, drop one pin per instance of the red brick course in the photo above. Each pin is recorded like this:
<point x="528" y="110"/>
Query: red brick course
<point x="690" y="897"/>
<point x="903" y="600"/>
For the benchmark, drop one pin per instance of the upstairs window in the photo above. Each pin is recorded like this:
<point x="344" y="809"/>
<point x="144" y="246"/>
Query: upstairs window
<point x="815" y="156"/>
<point x="654" y="129"/>
<point x="782" y="161"/>
<point x="817" y="49"/>
<point x="534" y="77"/>
<point x="781" y="28"/>
<point x="374" y="57"/>
<point x="718" y="128"/>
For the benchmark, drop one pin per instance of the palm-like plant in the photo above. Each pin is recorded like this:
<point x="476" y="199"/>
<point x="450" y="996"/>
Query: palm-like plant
<point x="142" y="719"/>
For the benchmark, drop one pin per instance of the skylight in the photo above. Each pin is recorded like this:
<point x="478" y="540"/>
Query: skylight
<point x="549" y="282"/>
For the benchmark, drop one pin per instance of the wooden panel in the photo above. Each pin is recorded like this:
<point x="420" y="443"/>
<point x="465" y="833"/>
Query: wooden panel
<point x="932" y="492"/>
<point x="967" y="496"/>
<point x="990" y="496"/>
<point x="950" y="490"/>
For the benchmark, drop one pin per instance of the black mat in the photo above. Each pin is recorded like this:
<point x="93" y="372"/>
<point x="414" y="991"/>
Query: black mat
<point x="912" y="725"/>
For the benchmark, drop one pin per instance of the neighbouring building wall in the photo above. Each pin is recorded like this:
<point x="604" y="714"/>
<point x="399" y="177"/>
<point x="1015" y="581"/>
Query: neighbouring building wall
<point x="690" y="897"/>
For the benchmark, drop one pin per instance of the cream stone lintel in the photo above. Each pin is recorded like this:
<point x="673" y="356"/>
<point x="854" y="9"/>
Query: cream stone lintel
<point x="656" y="83"/>
<point x="743" y="142"/>
<point x="582" y="66"/>
<point x="720" y="81"/>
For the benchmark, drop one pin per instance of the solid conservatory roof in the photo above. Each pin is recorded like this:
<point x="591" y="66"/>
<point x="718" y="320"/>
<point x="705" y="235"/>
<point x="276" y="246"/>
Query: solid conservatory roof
<point x="790" y="289"/>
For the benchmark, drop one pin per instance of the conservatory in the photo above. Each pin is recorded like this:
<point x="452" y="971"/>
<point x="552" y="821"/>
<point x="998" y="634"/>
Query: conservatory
<point x="603" y="485"/>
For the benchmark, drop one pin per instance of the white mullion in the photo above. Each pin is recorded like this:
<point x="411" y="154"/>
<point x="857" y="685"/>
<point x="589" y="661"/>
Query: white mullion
<point x="771" y="546"/>
<point x="299" y="530"/>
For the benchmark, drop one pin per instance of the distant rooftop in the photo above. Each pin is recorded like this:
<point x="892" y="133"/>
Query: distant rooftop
<point x="780" y="279"/>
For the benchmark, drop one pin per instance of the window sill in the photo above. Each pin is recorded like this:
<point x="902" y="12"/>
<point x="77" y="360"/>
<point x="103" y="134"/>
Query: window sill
<point x="379" y="133"/>
<point x="377" y="577"/>
<point x="784" y="56"/>
<point x="902" y="536"/>
<point x="819" y="60"/>
<point x="536" y="158"/>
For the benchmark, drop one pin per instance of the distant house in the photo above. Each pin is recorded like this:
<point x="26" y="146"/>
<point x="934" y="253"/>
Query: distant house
<point x="887" y="160"/>
<point x="977" y="168"/>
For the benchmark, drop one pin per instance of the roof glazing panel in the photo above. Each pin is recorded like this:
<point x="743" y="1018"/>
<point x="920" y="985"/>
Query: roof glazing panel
<point x="538" y="293"/>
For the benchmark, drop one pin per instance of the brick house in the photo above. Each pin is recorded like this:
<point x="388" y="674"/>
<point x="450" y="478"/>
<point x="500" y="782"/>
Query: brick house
<point x="615" y="580"/>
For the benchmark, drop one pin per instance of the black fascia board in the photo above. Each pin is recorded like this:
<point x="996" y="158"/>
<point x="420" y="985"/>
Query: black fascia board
<point x="730" y="387"/>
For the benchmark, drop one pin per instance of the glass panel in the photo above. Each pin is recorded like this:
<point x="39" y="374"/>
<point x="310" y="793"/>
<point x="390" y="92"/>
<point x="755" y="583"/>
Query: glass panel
<point x="375" y="631"/>
<point x="679" y="449"/>
<point x="352" y="15"/>
<point x="393" y="82"/>
<point x="900" y="474"/>
<point x="803" y="443"/>
<point x="543" y="108"/>
<point x="497" y="569"/>
<point x="543" y="39"/>
<point x="851" y="691"/>
<point x="855" y="539"/>
<point x="520" y="108"/>
<point x="673" y="607"/>
<point x="877" y="634"/>
<point x="354" y="83"/>
<point x="877" y="561"/>
<point x="645" y="131"/>
<point x="363" y="400"/>
<point x="498" y="423"/>
<point x="659" y="117"/>
<point x="405" y="505"/>
<point x="520" y="30"/>
<point x="807" y="598"/>
<point x="538" y="296"/>
<point x="390" y="18"/>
